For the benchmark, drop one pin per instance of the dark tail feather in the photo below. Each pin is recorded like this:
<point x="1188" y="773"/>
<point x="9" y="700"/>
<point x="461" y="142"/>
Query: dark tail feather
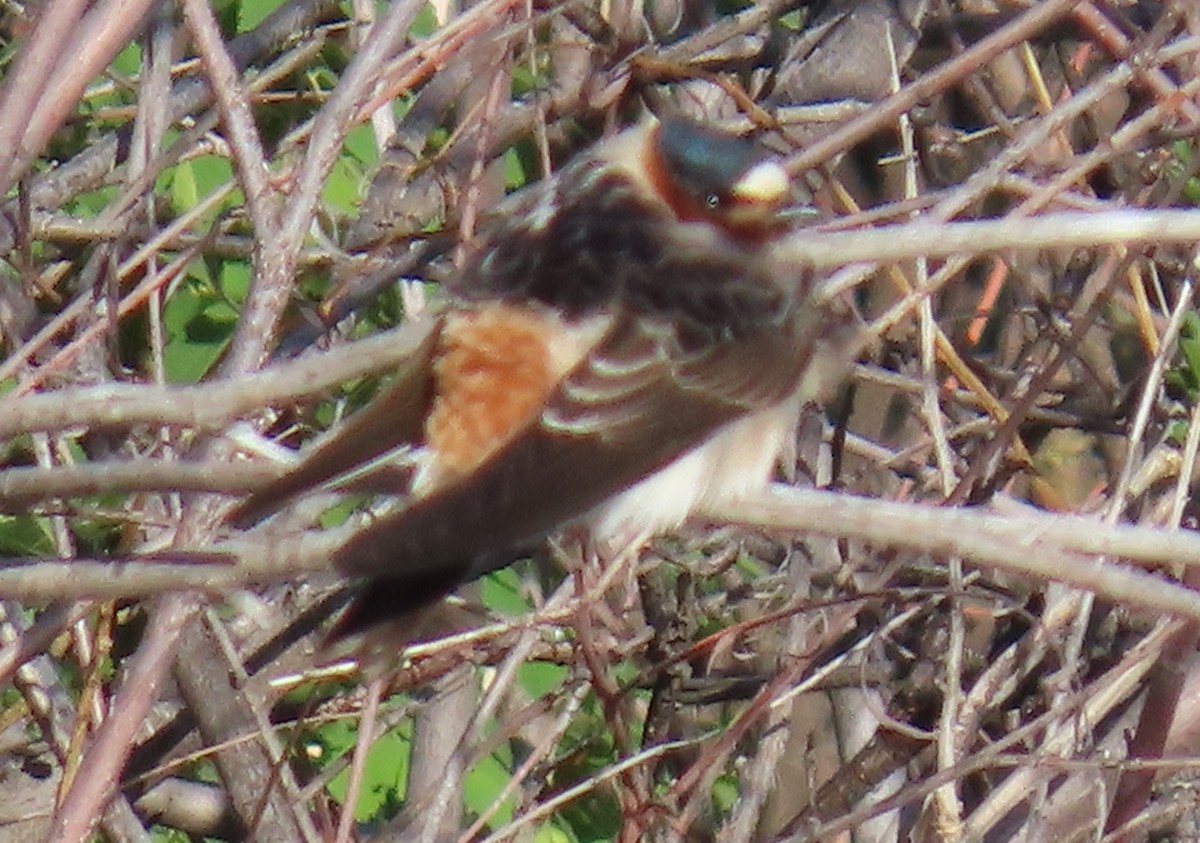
<point x="383" y="600"/>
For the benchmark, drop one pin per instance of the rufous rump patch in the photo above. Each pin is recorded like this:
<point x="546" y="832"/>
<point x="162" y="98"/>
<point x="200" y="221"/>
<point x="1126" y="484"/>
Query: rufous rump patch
<point x="494" y="372"/>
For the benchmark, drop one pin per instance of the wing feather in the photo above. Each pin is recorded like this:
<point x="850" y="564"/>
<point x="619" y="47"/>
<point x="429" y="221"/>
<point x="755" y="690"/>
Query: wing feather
<point x="392" y="419"/>
<point x="625" y="412"/>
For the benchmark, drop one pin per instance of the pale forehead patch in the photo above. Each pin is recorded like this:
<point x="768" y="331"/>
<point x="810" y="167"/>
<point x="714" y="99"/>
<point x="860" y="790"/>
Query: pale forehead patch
<point x="766" y="183"/>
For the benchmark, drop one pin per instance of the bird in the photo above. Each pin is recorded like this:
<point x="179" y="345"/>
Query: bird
<point x="621" y="349"/>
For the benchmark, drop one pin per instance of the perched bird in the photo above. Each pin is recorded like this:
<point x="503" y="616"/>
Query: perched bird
<point x="623" y="348"/>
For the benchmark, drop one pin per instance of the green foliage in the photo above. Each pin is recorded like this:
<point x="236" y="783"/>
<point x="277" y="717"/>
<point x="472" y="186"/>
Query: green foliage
<point x="516" y="169"/>
<point x="384" y="775"/>
<point x="200" y="317"/>
<point x="484" y="784"/>
<point x="25" y="535"/>
<point x="343" y="189"/>
<point x="160" y="834"/>
<point x="192" y="180"/>
<point x="425" y="23"/>
<point x="89" y="205"/>
<point x="501" y="592"/>
<point x="595" y="817"/>
<point x="129" y="61"/>
<point x="552" y="834"/>
<point x="1185" y="154"/>
<point x="724" y="794"/>
<point x="732" y="7"/>
<point x="1183" y="379"/>
<point x="250" y="13"/>
<point x="228" y="13"/>
<point x="587" y="749"/>
<point x="526" y="80"/>
<point x="541" y="679"/>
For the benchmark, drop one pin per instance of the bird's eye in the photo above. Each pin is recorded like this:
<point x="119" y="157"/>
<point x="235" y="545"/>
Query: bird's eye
<point x="714" y="174"/>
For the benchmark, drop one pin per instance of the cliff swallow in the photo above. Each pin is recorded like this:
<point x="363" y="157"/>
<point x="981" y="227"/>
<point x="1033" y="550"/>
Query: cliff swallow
<point x="623" y="348"/>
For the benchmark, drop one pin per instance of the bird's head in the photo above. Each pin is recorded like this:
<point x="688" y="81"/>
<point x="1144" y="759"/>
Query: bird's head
<point x="708" y="176"/>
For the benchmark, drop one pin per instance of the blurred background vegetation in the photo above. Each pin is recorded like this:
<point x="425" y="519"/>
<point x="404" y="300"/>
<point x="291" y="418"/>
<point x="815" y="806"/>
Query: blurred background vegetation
<point x="194" y="191"/>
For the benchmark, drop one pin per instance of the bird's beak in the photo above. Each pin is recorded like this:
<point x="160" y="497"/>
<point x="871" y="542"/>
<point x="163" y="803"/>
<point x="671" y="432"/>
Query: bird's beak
<point x="758" y="196"/>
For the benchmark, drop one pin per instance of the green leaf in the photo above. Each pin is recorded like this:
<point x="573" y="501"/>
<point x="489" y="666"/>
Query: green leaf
<point x="1177" y="433"/>
<point x="540" y="679"/>
<point x="191" y="362"/>
<point x="235" y="281"/>
<point x="552" y="834"/>
<point x="129" y="61"/>
<point x="181" y="308"/>
<point x="514" y="170"/>
<point x="343" y="188"/>
<point x="253" y="12"/>
<point x="185" y="195"/>
<point x="724" y="794"/>
<point x="384" y="776"/>
<point x="24" y="536"/>
<point x="92" y="203"/>
<point x="1189" y="344"/>
<point x="425" y="23"/>
<point x="196" y="178"/>
<point x="360" y="142"/>
<point x="501" y="592"/>
<point x="484" y="783"/>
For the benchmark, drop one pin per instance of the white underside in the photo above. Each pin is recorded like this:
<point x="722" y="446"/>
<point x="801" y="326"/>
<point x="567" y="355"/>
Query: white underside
<point x="739" y="459"/>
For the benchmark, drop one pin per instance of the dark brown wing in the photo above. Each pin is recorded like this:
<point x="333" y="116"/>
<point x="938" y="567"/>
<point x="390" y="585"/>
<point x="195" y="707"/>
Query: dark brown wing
<point x="644" y="397"/>
<point x="392" y="419"/>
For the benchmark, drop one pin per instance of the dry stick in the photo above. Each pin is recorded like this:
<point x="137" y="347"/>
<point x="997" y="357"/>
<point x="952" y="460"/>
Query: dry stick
<point x="65" y="722"/>
<point x="1080" y="607"/>
<point x="948" y="75"/>
<point x="250" y="344"/>
<point x="367" y="730"/>
<point x="1124" y="140"/>
<point x="75" y="310"/>
<point x="540" y="756"/>
<point x="273" y="271"/>
<point x="21" y="486"/>
<point x="1096" y="701"/>
<point x="1154" y="78"/>
<point x="1116" y="685"/>
<point x="91" y="47"/>
<point x="696" y="783"/>
<point x="93" y="165"/>
<point x="211" y="406"/>
<point x="1044" y="547"/>
<point x="237" y="117"/>
<point x="271" y="288"/>
<point x="213" y="688"/>
<point x="106" y="756"/>
<point x="28" y="78"/>
<point x="1166" y="680"/>
<point x="262" y="805"/>
<point x="152" y="283"/>
<point x="831" y="250"/>
<point x="982" y="180"/>
<point x="273" y="257"/>
<point x="107" y="226"/>
<point x="1049" y="548"/>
